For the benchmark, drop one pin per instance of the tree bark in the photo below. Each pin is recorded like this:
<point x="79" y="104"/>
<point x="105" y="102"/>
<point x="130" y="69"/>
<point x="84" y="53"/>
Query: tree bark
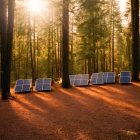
<point x="11" y="5"/>
<point x="3" y="28"/>
<point x="135" y="39"/>
<point x="65" y="48"/>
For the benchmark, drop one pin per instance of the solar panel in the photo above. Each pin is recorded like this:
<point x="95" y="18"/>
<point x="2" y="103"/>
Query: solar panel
<point x="72" y="76"/>
<point x="39" y="81"/>
<point x="95" y="75"/>
<point x="93" y="81"/>
<point x="27" y="81"/>
<point x="105" y="79"/>
<point x="47" y="81"/>
<point x="18" y="88"/>
<point x="125" y="77"/>
<point x="26" y="88"/>
<point x="109" y="77"/>
<point x="84" y="82"/>
<point x="79" y="80"/>
<point x="39" y="87"/>
<point x="78" y="76"/>
<point x="97" y="78"/>
<point x="111" y="74"/>
<point x="99" y="81"/>
<point x="125" y="73"/>
<point x="23" y="85"/>
<point x="43" y="84"/>
<point x="46" y="87"/>
<point x="19" y="82"/>
<point x="85" y="76"/>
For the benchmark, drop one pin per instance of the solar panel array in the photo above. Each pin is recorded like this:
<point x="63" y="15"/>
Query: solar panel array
<point x="125" y="77"/>
<point x="43" y="84"/>
<point x="79" y="80"/>
<point x="23" y="85"/>
<point x="97" y="78"/>
<point x="109" y="77"/>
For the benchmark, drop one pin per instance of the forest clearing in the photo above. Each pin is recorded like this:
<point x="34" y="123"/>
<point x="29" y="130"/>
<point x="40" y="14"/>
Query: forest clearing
<point x="69" y="70"/>
<point x="106" y="112"/>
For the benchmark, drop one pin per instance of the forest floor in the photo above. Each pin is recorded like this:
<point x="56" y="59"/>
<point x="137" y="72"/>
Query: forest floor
<point x="107" y="112"/>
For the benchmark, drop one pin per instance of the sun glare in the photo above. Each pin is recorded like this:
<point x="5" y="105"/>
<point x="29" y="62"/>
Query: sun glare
<point x="35" y="6"/>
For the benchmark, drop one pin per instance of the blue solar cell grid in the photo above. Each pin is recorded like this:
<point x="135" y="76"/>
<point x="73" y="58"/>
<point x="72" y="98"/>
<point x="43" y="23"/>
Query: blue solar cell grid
<point x="39" y="87"/>
<point x="125" y="80"/>
<point x="125" y="77"/>
<point x="43" y="84"/>
<point x="97" y="78"/>
<point x="99" y="81"/>
<point x="109" y="77"/>
<point x="111" y="74"/>
<point x="18" y="88"/>
<point x="39" y="81"/>
<point x="93" y="81"/>
<point x="78" y="77"/>
<point x="125" y="73"/>
<point x="27" y="81"/>
<point x="19" y="82"/>
<point x="26" y="88"/>
<point x="85" y="76"/>
<point x="48" y="81"/>
<point x="95" y="75"/>
<point x="84" y="82"/>
<point x="72" y="77"/>
<point x="23" y="85"/>
<point x="46" y="87"/>
<point x="100" y="75"/>
<point x="79" y="80"/>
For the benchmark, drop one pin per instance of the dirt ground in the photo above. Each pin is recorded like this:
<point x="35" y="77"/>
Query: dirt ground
<point x="107" y="112"/>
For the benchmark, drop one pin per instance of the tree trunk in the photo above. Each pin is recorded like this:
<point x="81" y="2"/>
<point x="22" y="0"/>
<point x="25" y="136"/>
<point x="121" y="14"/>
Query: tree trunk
<point x="135" y="39"/>
<point x="65" y="48"/>
<point x="11" y="5"/>
<point x="3" y="28"/>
